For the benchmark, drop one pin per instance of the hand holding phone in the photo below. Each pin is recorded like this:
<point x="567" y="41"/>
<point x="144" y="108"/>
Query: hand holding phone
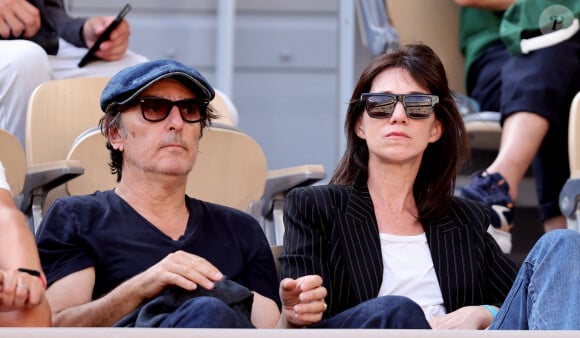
<point x="90" y="55"/>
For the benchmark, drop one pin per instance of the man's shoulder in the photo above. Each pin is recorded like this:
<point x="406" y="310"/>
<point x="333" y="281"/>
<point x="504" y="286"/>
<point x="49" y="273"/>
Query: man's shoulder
<point x="97" y="199"/>
<point x="321" y="196"/>
<point x="86" y="207"/>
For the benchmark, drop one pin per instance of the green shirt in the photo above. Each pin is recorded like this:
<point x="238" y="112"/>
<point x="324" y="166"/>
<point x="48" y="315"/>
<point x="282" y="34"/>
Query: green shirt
<point x="478" y="29"/>
<point x="524" y="19"/>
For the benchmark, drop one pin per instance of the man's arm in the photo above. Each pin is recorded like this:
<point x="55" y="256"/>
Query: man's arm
<point x="22" y="299"/>
<point x="68" y="28"/>
<point x="71" y="296"/>
<point x="70" y="299"/>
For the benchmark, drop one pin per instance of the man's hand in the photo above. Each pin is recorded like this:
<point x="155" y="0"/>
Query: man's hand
<point x="181" y="269"/>
<point x="18" y="18"/>
<point x="466" y="318"/>
<point x="19" y="290"/>
<point x="303" y="300"/>
<point x="116" y="46"/>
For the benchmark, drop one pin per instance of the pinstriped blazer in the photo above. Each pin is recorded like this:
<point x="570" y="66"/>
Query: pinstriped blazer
<point x="332" y="231"/>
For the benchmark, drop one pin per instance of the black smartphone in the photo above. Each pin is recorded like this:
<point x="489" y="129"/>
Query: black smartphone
<point x="90" y="55"/>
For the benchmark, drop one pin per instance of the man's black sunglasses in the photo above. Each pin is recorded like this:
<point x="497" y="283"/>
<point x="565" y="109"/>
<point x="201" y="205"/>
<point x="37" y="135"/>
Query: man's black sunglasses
<point x="155" y="109"/>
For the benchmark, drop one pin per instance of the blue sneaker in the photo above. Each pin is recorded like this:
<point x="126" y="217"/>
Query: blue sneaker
<point x="492" y="190"/>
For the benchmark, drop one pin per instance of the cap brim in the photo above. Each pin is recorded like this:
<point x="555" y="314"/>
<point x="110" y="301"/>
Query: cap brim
<point x="187" y="80"/>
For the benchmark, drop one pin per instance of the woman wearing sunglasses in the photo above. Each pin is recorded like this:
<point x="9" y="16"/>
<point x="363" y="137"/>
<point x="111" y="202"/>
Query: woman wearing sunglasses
<point x="393" y="245"/>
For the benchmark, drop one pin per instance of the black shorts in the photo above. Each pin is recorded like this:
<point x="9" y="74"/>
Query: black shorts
<point x="542" y="82"/>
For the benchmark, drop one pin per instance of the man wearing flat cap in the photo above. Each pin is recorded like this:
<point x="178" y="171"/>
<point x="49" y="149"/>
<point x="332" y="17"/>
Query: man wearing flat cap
<point x="145" y="254"/>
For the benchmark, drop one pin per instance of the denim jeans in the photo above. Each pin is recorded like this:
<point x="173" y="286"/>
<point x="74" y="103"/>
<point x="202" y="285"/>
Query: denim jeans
<point x="386" y="312"/>
<point x="205" y="312"/>
<point x="546" y="292"/>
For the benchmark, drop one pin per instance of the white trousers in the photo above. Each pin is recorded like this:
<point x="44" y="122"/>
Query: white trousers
<point x="24" y="65"/>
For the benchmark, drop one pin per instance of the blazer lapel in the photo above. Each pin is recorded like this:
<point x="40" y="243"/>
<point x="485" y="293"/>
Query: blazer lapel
<point x="446" y="246"/>
<point x="359" y="239"/>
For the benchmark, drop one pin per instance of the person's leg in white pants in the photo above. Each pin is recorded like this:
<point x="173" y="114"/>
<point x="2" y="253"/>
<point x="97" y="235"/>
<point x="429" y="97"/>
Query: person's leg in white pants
<point x="23" y="66"/>
<point x="64" y="64"/>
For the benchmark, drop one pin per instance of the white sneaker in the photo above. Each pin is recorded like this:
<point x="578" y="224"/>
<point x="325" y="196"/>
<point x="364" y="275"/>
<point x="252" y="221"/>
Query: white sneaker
<point x="503" y="239"/>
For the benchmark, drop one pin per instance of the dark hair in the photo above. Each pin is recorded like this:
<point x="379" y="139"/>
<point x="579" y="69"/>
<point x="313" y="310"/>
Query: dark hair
<point x="433" y="187"/>
<point x="112" y="121"/>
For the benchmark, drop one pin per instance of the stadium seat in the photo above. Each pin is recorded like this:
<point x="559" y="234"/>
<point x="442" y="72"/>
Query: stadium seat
<point x="14" y="161"/>
<point x="570" y="194"/>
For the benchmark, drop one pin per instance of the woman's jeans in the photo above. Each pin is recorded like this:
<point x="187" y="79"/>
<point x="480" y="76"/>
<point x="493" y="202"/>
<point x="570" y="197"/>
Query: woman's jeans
<point x="544" y="296"/>
<point x="546" y="292"/>
<point x="386" y="312"/>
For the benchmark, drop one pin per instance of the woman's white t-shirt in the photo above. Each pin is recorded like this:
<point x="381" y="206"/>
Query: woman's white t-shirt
<point x="408" y="271"/>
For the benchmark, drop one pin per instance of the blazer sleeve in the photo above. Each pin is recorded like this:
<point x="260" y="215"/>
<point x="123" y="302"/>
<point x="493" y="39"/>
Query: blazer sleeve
<point x="68" y="28"/>
<point x="304" y="243"/>
<point x="501" y="272"/>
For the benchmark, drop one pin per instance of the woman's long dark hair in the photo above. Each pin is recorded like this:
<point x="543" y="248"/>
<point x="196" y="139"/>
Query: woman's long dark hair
<point x="435" y="182"/>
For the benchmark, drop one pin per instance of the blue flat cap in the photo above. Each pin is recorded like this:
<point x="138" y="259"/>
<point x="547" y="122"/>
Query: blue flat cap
<point x="130" y="82"/>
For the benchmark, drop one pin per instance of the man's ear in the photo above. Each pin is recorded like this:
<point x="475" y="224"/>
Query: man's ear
<point x="115" y="139"/>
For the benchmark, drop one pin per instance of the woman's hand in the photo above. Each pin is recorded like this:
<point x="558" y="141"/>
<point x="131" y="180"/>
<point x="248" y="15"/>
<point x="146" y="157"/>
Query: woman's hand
<point x="466" y="318"/>
<point x="303" y="300"/>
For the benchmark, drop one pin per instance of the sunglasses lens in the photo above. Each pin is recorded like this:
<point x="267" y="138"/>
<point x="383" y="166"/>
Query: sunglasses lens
<point x="380" y="106"/>
<point x="155" y="109"/>
<point x="191" y="110"/>
<point x="418" y="106"/>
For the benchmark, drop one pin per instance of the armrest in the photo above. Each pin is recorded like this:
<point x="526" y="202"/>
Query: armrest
<point x="483" y="129"/>
<point x="378" y="35"/>
<point x="40" y="179"/>
<point x="269" y="209"/>
<point x="50" y="175"/>
<point x="569" y="196"/>
<point x="281" y="181"/>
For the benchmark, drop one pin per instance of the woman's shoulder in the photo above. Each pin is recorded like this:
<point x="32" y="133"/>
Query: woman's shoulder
<point x="469" y="211"/>
<point x="331" y="191"/>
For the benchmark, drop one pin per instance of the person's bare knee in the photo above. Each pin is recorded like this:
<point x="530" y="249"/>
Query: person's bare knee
<point x="558" y="222"/>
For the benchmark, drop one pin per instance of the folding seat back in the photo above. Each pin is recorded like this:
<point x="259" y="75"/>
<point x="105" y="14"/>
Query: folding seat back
<point x="13" y="160"/>
<point x="230" y="168"/>
<point x="57" y="112"/>
<point x="570" y="194"/>
<point x="574" y="137"/>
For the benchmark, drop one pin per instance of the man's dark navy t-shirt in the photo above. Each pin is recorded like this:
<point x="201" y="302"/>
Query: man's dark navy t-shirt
<point x="103" y="231"/>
